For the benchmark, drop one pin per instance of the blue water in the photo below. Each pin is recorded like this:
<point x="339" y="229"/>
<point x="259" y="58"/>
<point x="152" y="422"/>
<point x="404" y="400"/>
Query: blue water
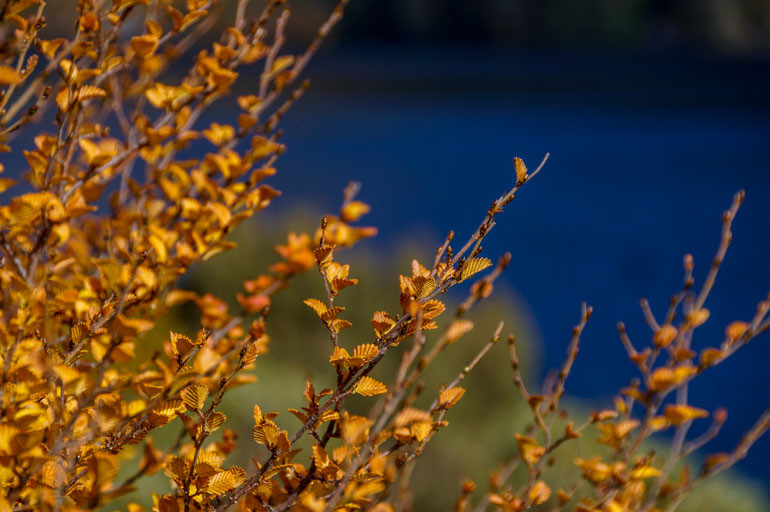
<point x="644" y="159"/>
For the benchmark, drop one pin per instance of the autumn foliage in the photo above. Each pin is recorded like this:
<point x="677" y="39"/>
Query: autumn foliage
<point x="128" y="191"/>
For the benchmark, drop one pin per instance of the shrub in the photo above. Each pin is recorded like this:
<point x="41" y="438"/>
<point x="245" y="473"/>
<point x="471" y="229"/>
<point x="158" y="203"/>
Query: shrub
<point x="118" y="205"/>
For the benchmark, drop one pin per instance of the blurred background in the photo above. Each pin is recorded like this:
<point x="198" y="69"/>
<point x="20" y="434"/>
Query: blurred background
<point x="655" y="113"/>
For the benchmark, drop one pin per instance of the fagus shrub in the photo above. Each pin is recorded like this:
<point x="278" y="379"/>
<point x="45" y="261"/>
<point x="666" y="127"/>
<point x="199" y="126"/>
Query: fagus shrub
<point x="114" y="208"/>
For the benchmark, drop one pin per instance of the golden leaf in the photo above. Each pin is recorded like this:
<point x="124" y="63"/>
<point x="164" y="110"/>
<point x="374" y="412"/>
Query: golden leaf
<point x="710" y="356"/>
<point x="89" y="91"/>
<point x="330" y="314"/>
<point x="368" y="386"/>
<point x="9" y="76"/>
<point x="144" y="45"/>
<point x="664" y="378"/>
<point x="449" y="397"/>
<point x="521" y="170"/>
<point x="594" y="469"/>
<point x="49" y="48"/>
<point x="195" y="396"/>
<point x="316" y="305"/>
<point x="540" y="492"/>
<point x="643" y="472"/>
<point x="169" y="407"/>
<point x="421" y="430"/>
<point x="180" y="344"/>
<point x="165" y="96"/>
<point x="6" y="183"/>
<point x="354" y="429"/>
<point x="411" y="415"/>
<point x="79" y="332"/>
<point x="474" y="266"/>
<point x="382" y="323"/>
<point x="423" y="286"/>
<point x="456" y="329"/>
<point x="220" y="483"/>
<point x="323" y="255"/>
<point x="215" y="420"/>
<point x="681" y="413"/>
<point x="697" y="318"/>
<point x="530" y="450"/>
<point x="362" y="354"/>
<point x="735" y="330"/>
<point x="177" y="468"/>
<point x="219" y="134"/>
<point x="432" y="309"/>
<point x="665" y="335"/>
<point x="354" y="210"/>
<point x="282" y="63"/>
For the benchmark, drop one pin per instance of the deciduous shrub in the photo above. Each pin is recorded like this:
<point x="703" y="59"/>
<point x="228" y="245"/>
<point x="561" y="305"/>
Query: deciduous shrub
<point x="117" y="204"/>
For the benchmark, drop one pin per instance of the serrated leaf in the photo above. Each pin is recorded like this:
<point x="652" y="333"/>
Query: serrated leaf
<point x="423" y="286"/>
<point x="215" y="420"/>
<point x="382" y="323"/>
<point x="316" y="305"/>
<point x="474" y="266"/>
<point x="195" y="396"/>
<point x="456" y="329"/>
<point x="368" y="386"/>
<point x="450" y="397"/>
<point x="521" y="170"/>
<point x="220" y="483"/>
<point x="79" y="332"/>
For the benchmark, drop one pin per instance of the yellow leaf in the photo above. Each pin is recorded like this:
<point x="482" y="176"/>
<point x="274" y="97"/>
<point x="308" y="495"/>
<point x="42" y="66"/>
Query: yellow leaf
<point x="456" y="329"/>
<point x="521" y="170"/>
<point x="215" y="420"/>
<point x="354" y="429"/>
<point x="423" y="286"/>
<point x="710" y="356"/>
<point x="421" y="430"/>
<point x="165" y="96"/>
<point x="368" y="386"/>
<point x="9" y="76"/>
<point x="282" y="63"/>
<point x="220" y="483"/>
<point x="362" y="354"/>
<point x="194" y="396"/>
<point x="696" y="318"/>
<point x="382" y="323"/>
<point x="78" y="332"/>
<point x="450" y="396"/>
<point x="643" y="472"/>
<point x="144" y="45"/>
<point x="474" y="266"/>
<point x="169" y="407"/>
<point x="89" y="91"/>
<point x="316" y="305"/>
<point x="49" y="48"/>
<point x="735" y="330"/>
<point x="681" y="413"/>
<point x="530" y="450"/>
<point x="219" y="134"/>
<point x="354" y="210"/>
<point x="6" y="183"/>
<point x="665" y="335"/>
<point x="411" y="415"/>
<point x="539" y="493"/>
